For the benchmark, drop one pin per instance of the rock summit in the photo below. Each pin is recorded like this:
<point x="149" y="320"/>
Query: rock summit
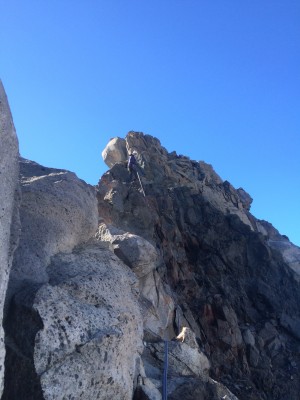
<point x="98" y="282"/>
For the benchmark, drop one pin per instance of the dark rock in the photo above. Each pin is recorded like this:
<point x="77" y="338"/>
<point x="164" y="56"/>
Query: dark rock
<point x="177" y="252"/>
<point x="21" y="326"/>
<point x="223" y="273"/>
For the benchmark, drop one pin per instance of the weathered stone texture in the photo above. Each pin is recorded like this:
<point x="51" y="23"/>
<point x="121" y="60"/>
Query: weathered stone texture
<point x="136" y="252"/>
<point x="58" y="212"/>
<point x="143" y="259"/>
<point x="115" y="152"/>
<point x="87" y="316"/>
<point x="91" y="339"/>
<point x="9" y="200"/>
<point x="82" y="332"/>
<point x="239" y="295"/>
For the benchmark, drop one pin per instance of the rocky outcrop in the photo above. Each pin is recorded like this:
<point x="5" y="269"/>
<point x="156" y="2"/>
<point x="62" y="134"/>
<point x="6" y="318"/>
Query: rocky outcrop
<point x="9" y="200"/>
<point x="144" y="260"/>
<point x="82" y="334"/>
<point x="73" y="322"/>
<point x="91" y="339"/>
<point x="115" y="151"/>
<point x="187" y="374"/>
<point x="98" y="292"/>
<point x="58" y="212"/>
<point x="228" y="283"/>
<point x="281" y="243"/>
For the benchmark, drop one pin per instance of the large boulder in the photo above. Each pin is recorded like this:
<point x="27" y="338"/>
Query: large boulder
<point x="92" y="329"/>
<point x="58" y="212"/>
<point x="9" y="200"/>
<point x="144" y="260"/>
<point x="114" y="152"/>
<point x="82" y="335"/>
<point x="136" y="252"/>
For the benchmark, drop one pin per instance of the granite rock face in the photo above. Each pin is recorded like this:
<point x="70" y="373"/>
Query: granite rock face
<point x="73" y="323"/>
<point x="103" y="280"/>
<point x="115" y="151"/>
<point x="229" y="284"/>
<point x="91" y="339"/>
<point x="58" y="212"/>
<point x="9" y="200"/>
<point x="144" y="260"/>
<point x="80" y="334"/>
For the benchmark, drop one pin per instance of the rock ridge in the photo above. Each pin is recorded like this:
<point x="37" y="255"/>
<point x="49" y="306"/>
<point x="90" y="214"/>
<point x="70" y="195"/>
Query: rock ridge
<point x="229" y="275"/>
<point x="103" y="277"/>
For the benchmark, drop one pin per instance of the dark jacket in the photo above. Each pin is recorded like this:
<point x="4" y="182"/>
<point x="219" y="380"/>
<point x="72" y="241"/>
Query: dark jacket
<point x="131" y="161"/>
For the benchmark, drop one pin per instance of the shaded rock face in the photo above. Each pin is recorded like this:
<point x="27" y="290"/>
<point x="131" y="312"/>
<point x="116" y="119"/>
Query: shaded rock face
<point x="81" y="334"/>
<point x="281" y="243"/>
<point x="9" y="200"/>
<point x="73" y="324"/>
<point x="228" y="284"/>
<point x="188" y="371"/>
<point x="98" y="290"/>
<point x="143" y="259"/>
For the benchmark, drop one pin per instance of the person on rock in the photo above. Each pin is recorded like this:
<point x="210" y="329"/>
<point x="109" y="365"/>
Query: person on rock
<point x="132" y="166"/>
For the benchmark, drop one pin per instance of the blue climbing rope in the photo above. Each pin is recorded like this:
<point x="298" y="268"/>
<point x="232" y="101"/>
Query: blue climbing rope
<point x="165" y="375"/>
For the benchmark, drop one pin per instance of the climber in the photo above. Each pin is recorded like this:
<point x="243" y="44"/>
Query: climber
<point x="134" y="170"/>
<point x="131" y="166"/>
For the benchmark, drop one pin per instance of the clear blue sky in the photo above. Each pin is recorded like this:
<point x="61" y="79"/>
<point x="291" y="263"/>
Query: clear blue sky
<point x="218" y="81"/>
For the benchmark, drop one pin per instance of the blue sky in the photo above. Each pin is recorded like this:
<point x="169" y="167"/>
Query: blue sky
<point x="218" y="81"/>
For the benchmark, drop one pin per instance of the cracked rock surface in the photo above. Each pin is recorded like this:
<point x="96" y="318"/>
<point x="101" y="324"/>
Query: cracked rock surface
<point x="92" y="332"/>
<point x="58" y="212"/>
<point x="103" y="277"/>
<point x="233" y="279"/>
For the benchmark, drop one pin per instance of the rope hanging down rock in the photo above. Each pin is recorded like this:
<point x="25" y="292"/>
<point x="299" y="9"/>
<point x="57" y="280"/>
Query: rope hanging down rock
<point x="141" y="183"/>
<point x="165" y="374"/>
